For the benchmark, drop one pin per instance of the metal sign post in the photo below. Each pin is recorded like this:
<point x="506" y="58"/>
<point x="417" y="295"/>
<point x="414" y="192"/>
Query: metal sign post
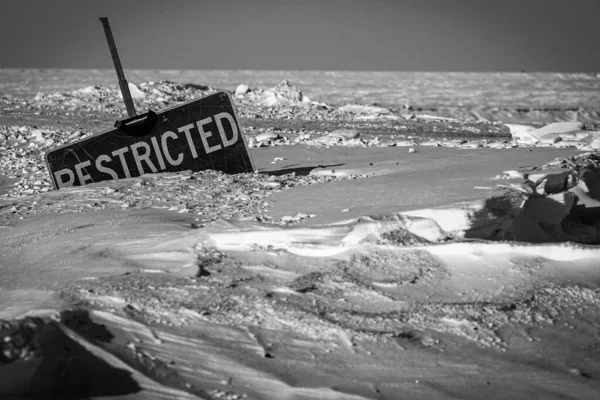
<point x="117" y="63"/>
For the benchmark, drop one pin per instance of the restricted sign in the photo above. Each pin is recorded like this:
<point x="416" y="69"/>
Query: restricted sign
<point x="198" y="135"/>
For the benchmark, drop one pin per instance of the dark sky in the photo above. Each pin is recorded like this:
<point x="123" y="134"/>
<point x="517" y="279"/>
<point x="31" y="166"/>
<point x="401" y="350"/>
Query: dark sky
<point x="413" y="35"/>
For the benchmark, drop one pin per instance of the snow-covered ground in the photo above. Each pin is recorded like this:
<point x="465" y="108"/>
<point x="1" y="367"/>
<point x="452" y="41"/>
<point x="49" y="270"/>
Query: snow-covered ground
<point x="351" y="265"/>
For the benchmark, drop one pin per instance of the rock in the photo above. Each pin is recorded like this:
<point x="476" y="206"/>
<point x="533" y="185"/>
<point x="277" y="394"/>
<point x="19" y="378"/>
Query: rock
<point x="472" y="145"/>
<point x="595" y="144"/>
<point x="2" y="137"/>
<point x="591" y="178"/>
<point x="363" y="110"/>
<point x="551" y="138"/>
<point x="546" y="210"/>
<point x="345" y="133"/>
<point x="266" y="136"/>
<point x="435" y="117"/>
<point x="536" y="178"/>
<point x="425" y="228"/>
<point x="584" y="199"/>
<point x="512" y="174"/>
<point x="580" y="135"/>
<point x="37" y="135"/>
<point x="75" y="135"/>
<point x="556" y="127"/>
<point x="594" y="134"/>
<point x="85" y="90"/>
<point x="282" y="94"/>
<point x="328" y="140"/>
<point x="405" y="143"/>
<point x="584" y="147"/>
<point x="272" y="184"/>
<point x="412" y="150"/>
<point x="497" y="145"/>
<point x="521" y="132"/>
<point x="241" y="90"/>
<point x="136" y="93"/>
<point x="559" y="182"/>
<point x="569" y="143"/>
<point x="355" y="143"/>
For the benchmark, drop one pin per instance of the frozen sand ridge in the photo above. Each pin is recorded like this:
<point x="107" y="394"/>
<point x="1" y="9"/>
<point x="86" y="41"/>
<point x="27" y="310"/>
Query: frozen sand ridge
<point x="330" y="241"/>
<point x="372" y="260"/>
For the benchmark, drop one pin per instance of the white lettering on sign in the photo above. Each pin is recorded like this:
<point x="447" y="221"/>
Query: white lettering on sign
<point x="143" y="151"/>
<point x="161" y="162"/>
<point x="80" y="175"/>
<point x="205" y="135"/>
<point x="120" y="153"/>
<point x="229" y="118"/>
<point x="103" y="169"/>
<point x="188" y="136"/>
<point x="59" y="174"/>
<point x="165" y="148"/>
<point x="142" y="157"/>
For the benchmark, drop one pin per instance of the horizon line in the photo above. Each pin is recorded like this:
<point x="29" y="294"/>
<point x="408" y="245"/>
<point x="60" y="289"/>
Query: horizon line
<point x="307" y="70"/>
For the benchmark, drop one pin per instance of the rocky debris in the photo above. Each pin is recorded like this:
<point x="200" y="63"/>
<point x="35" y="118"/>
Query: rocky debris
<point x="22" y="156"/>
<point x="513" y="115"/>
<point x="267" y="137"/>
<point x="436" y="117"/>
<point x="561" y="202"/>
<point x="405" y="143"/>
<point x="98" y="98"/>
<point x="511" y="174"/>
<point x="345" y="133"/>
<point x="281" y="102"/>
<point x="136" y="93"/>
<point x="354" y="138"/>
<point x="23" y="149"/>
<point x="364" y="112"/>
<point x="283" y="94"/>
<point x="241" y="90"/>
<point x="17" y="339"/>
<point x="289" y="219"/>
<point x="556" y="134"/>
<point x="241" y="196"/>
<point x="595" y="143"/>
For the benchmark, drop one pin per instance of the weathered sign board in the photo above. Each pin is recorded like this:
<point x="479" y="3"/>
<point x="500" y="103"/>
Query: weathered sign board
<point x="199" y="135"/>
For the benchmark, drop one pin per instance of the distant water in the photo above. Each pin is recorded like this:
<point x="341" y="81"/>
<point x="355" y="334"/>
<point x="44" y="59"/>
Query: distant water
<point x="390" y="89"/>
